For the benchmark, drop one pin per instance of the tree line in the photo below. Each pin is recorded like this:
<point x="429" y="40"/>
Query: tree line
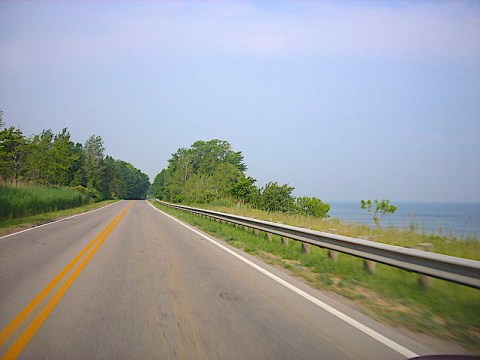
<point x="210" y="171"/>
<point x="49" y="159"/>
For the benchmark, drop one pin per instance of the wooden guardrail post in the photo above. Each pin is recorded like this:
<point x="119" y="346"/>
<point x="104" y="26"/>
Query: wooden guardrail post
<point x="425" y="281"/>
<point x="368" y="265"/>
<point x="269" y="236"/>
<point x="306" y="248"/>
<point x="332" y="254"/>
<point x="285" y="240"/>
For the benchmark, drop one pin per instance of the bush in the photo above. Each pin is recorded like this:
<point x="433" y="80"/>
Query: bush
<point x="312" y="206"/>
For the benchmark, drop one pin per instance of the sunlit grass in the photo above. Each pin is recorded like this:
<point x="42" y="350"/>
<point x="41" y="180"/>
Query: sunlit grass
<point x="391" y="295"/>
<point x="19" y="202"/>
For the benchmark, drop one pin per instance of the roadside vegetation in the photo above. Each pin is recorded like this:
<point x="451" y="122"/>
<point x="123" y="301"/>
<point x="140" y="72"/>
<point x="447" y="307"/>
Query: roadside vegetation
<point x="390" y="295"/>
<point x="13" y="225"/>
<point x="54" y="160"/>
<point x="210" y="172"/>
<point x="18" y="202"/>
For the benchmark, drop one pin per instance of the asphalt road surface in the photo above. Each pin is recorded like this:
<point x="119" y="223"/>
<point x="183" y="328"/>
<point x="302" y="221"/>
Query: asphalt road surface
<point x="129" y="282"/>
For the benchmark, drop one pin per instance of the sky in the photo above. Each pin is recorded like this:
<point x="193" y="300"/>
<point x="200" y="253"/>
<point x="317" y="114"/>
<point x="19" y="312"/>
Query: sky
<point x="343" y="100"/>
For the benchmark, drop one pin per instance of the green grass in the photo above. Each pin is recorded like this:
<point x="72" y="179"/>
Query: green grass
<point x="13" y="225"/>
<point x="20" y="202"/>
<point x="390" y="295"/>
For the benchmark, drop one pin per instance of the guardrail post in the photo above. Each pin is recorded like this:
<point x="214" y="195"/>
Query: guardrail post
<point x="306" y="248"/>
<point x="256" y="232"/>
<point x="285" y="240"/>
<point x="425" y="281"/>
<point x="370" y="266"/>
<point x="269" y="236"/>
<point x="332" y="254"/>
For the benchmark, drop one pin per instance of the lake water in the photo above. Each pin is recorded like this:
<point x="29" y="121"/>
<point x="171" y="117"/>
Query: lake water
<point x="458" y="219"/>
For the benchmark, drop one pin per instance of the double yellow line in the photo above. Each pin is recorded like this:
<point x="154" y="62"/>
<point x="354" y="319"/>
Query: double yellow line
<point x="25" y="337"/>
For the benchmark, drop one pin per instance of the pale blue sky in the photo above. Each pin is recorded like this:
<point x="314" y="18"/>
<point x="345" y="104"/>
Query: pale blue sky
<point x="342" y="100"/>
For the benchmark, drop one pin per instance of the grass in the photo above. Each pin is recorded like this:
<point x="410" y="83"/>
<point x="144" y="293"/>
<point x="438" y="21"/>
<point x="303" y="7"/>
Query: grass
<point x="20" y="202"/>
<point x="390" y="295"/>
<point x="13" y="225"/>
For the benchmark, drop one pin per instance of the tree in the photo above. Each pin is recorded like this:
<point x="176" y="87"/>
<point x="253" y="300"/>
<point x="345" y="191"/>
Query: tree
<point x="378" y="209"/>
<point x="245" y="191"/>
<point x="13" y="148"/>
<point x="202" y="173"/>
<point x="93" y="165"/>
<point x="276" y="197"/>
<point x="40" y="162"/>
<point x="312" y="206"/>
<point x="2" y="122"/>
<point x="159" y="183"/>
<point x="63" y="156"/>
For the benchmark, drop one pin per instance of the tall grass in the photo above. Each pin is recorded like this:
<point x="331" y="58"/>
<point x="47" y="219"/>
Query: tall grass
<point x="18" y="202"/>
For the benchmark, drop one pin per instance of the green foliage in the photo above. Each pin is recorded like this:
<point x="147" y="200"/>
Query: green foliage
<point x="381" y="209"/>
<point x="245" y="191"/>
<point x="202" y="173"/>
<point x="211" y="172"/>
<point x="13" y="150"/>
<point x="312" y="206"/>
<point x="26" y="201"/>
<point x="53" y="159"/>
<point x="276" y="197"/>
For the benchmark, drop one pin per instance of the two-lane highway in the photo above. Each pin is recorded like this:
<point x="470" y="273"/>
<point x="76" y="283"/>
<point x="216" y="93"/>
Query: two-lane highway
<point x="129" y="282"/>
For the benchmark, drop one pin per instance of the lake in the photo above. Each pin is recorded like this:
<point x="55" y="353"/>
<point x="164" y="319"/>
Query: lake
<point x="457" y="219"/>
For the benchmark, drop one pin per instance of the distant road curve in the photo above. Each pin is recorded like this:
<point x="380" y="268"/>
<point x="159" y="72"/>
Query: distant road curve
<point x="130" y="282"/>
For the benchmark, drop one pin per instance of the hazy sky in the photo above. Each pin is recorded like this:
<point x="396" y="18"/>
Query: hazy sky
<point x="344" y="100"/>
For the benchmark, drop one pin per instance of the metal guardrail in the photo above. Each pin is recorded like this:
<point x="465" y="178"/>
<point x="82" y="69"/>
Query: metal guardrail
<point x="450" y="268"/>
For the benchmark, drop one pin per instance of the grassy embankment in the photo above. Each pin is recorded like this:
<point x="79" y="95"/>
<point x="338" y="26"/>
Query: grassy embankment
<point x="23" y="207"/>
<point x="390" y="295"/>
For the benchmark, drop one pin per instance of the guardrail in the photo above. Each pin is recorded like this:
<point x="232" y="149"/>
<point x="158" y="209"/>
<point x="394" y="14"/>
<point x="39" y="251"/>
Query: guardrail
<point x="450" y="268"/>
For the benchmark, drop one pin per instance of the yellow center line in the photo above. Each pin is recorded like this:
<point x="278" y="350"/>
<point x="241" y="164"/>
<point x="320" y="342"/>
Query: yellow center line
<point x="26" y="336"/>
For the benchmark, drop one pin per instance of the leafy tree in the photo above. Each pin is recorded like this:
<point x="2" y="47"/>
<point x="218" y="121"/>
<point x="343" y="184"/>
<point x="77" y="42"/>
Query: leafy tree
<point x="378" y="209"/>
<point x="63" y="156"/>
<point x="159" y="183"/>
<point x="93" y="164"/>
<point x="2" y="122"/>
<point x="39" y="160"/>
<point x="312" y="206"/>
<point x="13" y="149"/>
<point x="276" y="197"/>
<point x="245" y="191"/>
<point x="202" y="173"/>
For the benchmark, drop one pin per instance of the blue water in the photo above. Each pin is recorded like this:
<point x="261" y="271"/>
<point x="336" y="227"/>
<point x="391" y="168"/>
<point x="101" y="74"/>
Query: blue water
<point x="455" y="219"/>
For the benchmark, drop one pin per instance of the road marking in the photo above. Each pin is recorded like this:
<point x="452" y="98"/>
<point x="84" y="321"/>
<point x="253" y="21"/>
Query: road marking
<point x="56" y="221"/>
<point x="37" y="322"/>
<point x="356" y="324"/>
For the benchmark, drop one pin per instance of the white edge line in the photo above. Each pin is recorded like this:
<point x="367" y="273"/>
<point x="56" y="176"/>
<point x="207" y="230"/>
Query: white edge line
<point x="356" y="324"/>
<point x="56" y="221"/>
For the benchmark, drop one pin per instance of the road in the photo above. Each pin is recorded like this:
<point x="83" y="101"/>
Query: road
<point x="129" y="282"/>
